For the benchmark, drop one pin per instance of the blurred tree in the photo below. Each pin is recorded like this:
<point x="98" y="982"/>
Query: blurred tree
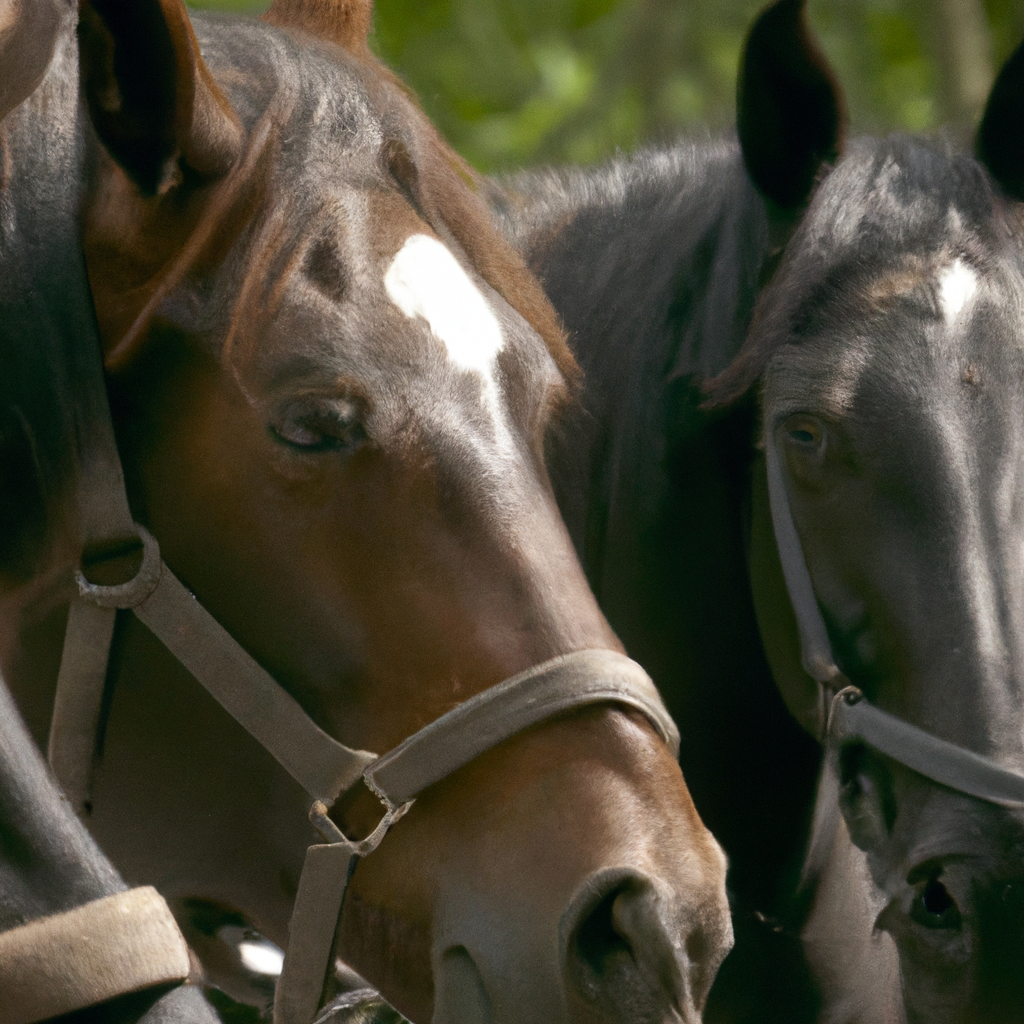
<point x="516" y="82"/>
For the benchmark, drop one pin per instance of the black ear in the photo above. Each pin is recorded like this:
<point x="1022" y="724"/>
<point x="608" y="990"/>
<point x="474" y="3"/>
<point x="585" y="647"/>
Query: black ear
<point x="791" y="114"/>
<point x="151" y="98"/>
<point x="1000" y="142"/>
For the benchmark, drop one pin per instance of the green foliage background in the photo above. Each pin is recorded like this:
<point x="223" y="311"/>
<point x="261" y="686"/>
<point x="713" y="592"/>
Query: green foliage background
<point x="519" y="82"/>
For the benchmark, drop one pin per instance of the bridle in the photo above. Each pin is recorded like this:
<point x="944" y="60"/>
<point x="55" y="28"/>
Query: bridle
<point x="325" y="768"/>
<point x="846" y="716"/>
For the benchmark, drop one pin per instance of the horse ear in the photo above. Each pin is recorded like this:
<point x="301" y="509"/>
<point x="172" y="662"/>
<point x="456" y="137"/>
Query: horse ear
<point x="151" y="98"/>
<point x="345" y="22"/>
<point x="1000" y="141"/>
<point x="791" y="114"/>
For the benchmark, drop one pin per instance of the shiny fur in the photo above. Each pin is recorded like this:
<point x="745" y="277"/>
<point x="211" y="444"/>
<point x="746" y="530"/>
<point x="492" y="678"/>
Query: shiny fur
<point x="317" y="469"/>
<point x="884" y="358"/>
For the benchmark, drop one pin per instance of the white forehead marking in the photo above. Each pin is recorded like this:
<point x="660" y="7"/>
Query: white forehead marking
<point x="957" y="284"/>
<point x="426" y="281"/>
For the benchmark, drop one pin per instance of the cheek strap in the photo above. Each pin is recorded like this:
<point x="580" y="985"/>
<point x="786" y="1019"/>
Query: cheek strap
<point x="847" y="716"/>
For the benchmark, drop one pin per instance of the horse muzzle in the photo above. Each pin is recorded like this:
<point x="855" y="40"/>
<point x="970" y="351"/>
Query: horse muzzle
<point x="625" y="950"/>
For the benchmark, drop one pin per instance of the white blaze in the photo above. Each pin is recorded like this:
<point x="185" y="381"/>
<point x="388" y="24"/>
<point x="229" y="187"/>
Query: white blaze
<point x="957" y="284"/>
<point x="426" y="281"/>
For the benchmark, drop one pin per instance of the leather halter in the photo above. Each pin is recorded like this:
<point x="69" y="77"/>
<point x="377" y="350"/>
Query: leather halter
<point x="109" y="947"/>
<point x="846" y="715"/>
<point x="325" y="768"/>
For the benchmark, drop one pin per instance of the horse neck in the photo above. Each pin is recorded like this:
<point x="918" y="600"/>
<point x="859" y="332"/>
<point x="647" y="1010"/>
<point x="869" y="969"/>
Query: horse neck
<point x="48" y="339"/>
<point x="50" y="863"/>
<point x="49" y="348"/>
<point x="679" y="232"/>
<point x="653" y="264"/>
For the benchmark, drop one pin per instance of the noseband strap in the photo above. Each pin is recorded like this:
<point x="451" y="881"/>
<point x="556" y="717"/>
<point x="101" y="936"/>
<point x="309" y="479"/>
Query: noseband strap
<point x="425" y="758"/>
<point x="854" y="719"/>
<point x="482" y="722"/>
<point x="847" y="716"/>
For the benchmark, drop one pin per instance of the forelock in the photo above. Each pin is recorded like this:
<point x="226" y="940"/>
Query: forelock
<point x="880" y="231"/>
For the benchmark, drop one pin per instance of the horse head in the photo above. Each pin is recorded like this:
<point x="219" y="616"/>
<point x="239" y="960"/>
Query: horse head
<point x="331" y="382"/>
<point x="887" y="350"/>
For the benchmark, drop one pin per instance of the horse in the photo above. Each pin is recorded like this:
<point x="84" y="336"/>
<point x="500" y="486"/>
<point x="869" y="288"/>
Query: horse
<point x="329" y="383"/>
<point x="851" y="315"/>
<point x="57" y="890"/>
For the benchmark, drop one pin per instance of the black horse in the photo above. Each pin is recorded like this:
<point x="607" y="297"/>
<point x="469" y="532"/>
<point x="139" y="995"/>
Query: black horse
<point x="863" y="325"/>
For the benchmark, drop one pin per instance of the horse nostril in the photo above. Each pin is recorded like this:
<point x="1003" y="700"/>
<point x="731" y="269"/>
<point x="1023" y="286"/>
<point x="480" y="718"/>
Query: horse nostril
<point x="624" y="950"/>
<point x="597" y="942"/>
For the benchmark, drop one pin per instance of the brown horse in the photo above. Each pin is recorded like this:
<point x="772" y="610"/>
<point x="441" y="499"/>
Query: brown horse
<point x="331" y="382"/>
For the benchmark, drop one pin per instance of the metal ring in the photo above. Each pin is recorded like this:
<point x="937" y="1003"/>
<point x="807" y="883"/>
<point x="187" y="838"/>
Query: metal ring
<point x="334" y="836"/>
<point x="137" y="589"/>
<point x="848" y="695"/>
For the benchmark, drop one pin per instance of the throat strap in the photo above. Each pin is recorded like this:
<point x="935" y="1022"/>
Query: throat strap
<point x="110" y="947"/>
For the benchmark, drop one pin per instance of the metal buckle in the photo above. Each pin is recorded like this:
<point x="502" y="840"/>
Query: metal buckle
<point x="848" y="694"/>
<point x="333" y="835"/>
<point x="132" y="593"/>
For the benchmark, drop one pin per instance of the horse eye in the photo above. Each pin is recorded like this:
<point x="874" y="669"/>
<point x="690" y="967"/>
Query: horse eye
<point x="804" y="431"/>
<point x="933" y="907"/>
<point x="319" y="429"/>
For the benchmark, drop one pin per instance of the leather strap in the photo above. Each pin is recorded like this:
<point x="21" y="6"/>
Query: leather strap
<point x="815" y="647"/>
<point x="425" y="758"/>
<point x="489" y="718"/>
<point x="110" y="947"/>
<point x="79" y="697"/>
<point x="847" y="716"/>
<point x="324" y="767"/>
<point x="322" y="886"/>
<point x="854" y="718"/>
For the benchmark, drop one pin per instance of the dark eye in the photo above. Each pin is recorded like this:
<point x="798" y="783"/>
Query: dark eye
<point x="804" y="431"/>
<point x="319" y="427"/>
<point x="933" y="907"/>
